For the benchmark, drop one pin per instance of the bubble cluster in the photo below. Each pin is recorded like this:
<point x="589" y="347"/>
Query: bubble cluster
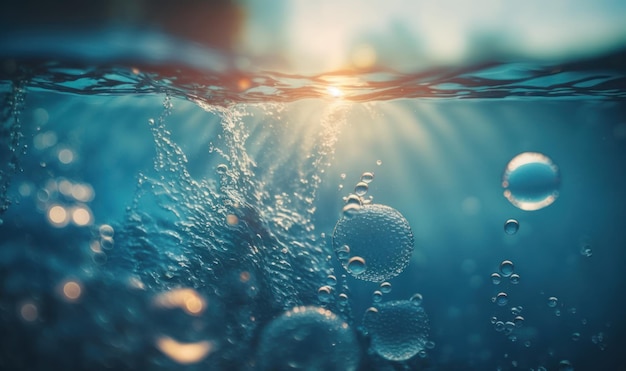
<point x="398" y="329"/>
<point x="531" y="181"/>
<point x="308" y="338"/>
<point x="380" y="237"/>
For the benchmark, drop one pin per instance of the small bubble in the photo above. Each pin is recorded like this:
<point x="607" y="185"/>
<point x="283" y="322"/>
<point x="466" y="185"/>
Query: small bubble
<point x="221" y="168"/>
<point x="377" y="296"/>
<point x="527" y="343"/>
<point x="354" y="199"/>
<point x="572" y="310"/>
<point x="385" y="287"/>
<point x="518" y="321"/>
<point x="502" y="299"/>
<point x="430" y="344"/>
<point x="576" y="336"/>
<point x="151" y="121"/>
<point x="565" y="365"/>
<point x="107" y="243"/>
<point x="367" y="177"/>
<point x="514" y="278"/>
<point x="417" y="298"/>
<point x="585" y="250"/>
<point x="342" y="299"/>
<point x="506" y="268"/>
<point x="422" y="354"/>
<point x="557" y="312"/>
<point x="356" y="265"/>
<point x="324" y="294"/>
<point x="361" y="189"/>
<point x="494" y="320"/>
<point x="552" y="301"/>
<point x="343" y="252"/>
<point x="350" y="210"/>
<point x="106" y="230"/>
<point x="496" y="278"/>
<point x="379" y="162"/>
<point x="511" y="226"/>
<point x="499" y="326"/>
<point x="331" y="280"/>
<point x="516" y="310"/>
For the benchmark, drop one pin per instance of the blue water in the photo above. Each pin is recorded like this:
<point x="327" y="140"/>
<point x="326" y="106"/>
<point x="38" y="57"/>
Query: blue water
<point x="157" y="217"/>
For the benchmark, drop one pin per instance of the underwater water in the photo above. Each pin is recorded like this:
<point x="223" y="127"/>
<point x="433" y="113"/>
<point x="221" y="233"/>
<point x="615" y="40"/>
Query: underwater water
<point x="158" y="217"/>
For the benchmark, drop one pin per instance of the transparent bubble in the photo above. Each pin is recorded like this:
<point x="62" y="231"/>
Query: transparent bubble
<point x="361" y="189"/>
<point x="576" y="336"/>
<point x="511" y="226"/>
<point x="381" y="236"/>
<point x="379" y="162"/>
<point x="309" y="338"/>
<point x="499" y="326"/>
<point x="399" y="330"/>
<point x="565" y="365"/>
<point x="502" y="299"/>
<point x="585" y="250"/>
<point x="221" y="168"/>
<point x="354" y="199"/>
<point x="518" y="321"/>
<point x="552" y="301"/>
<point x="106" y="230"/>
<point x="325" y="294"/>
<point x="514" y="278"/>
<point x="331" y="280"/>
<point x="516" y="310"/>
<point x="417" y="298"/>
<point x="527" y="343"/>
<point x="496" y="278"/>
<point x="385" y="287"/>
<point x="342" y="252"/>
<point x="494" y="320"/>
<point x="531" y="181"/>
<point x="422" y="354"/>
<point x="342" y="299"/>
<point x="367" y="177"/>
<point x="377" y="296"/>
<point x="356" y="266"/>
<point x="350" y="210"/>
<point x="430" y="344"/>
<point x="506" y="268"/>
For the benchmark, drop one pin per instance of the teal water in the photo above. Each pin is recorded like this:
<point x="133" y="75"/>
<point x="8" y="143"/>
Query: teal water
<point x="165" y="216"/>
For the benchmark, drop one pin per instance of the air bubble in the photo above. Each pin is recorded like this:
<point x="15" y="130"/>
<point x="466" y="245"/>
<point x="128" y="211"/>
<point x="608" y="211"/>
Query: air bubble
<point x="502" y="299"/>
<point x="417" y="298"/>
<point x="514" y="278"/>
<point x="380" y="236"/>
<point x="324" y="294"/>
<point x="585" y="250"/>
<point x="377" y="296"/>
<point x="506" y="268"/>
<point x="385" y="287"/>
<point x="398" y="331"/>
<point x="343" y="252"/>
<point x="496" y="278"/>
<point x="221" y="169"/>
<point x="361" y="189"/>
<point x="511" y="226"/>
<point x="367" y="177"/>
<point x="356" y="265"/>
<point x="552" y="301"/>
<point x="350" y="210"/>
<point x="311" y="338"/>
<point x="331" y="280"/>
<point x="531" y="181"/>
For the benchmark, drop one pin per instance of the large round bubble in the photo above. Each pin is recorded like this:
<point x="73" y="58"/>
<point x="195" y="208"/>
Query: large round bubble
<point x="308" y="338"/>
<point x="377" y="235"/>
<point x="531" y="181"/>
<point x="398" y="329"/>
